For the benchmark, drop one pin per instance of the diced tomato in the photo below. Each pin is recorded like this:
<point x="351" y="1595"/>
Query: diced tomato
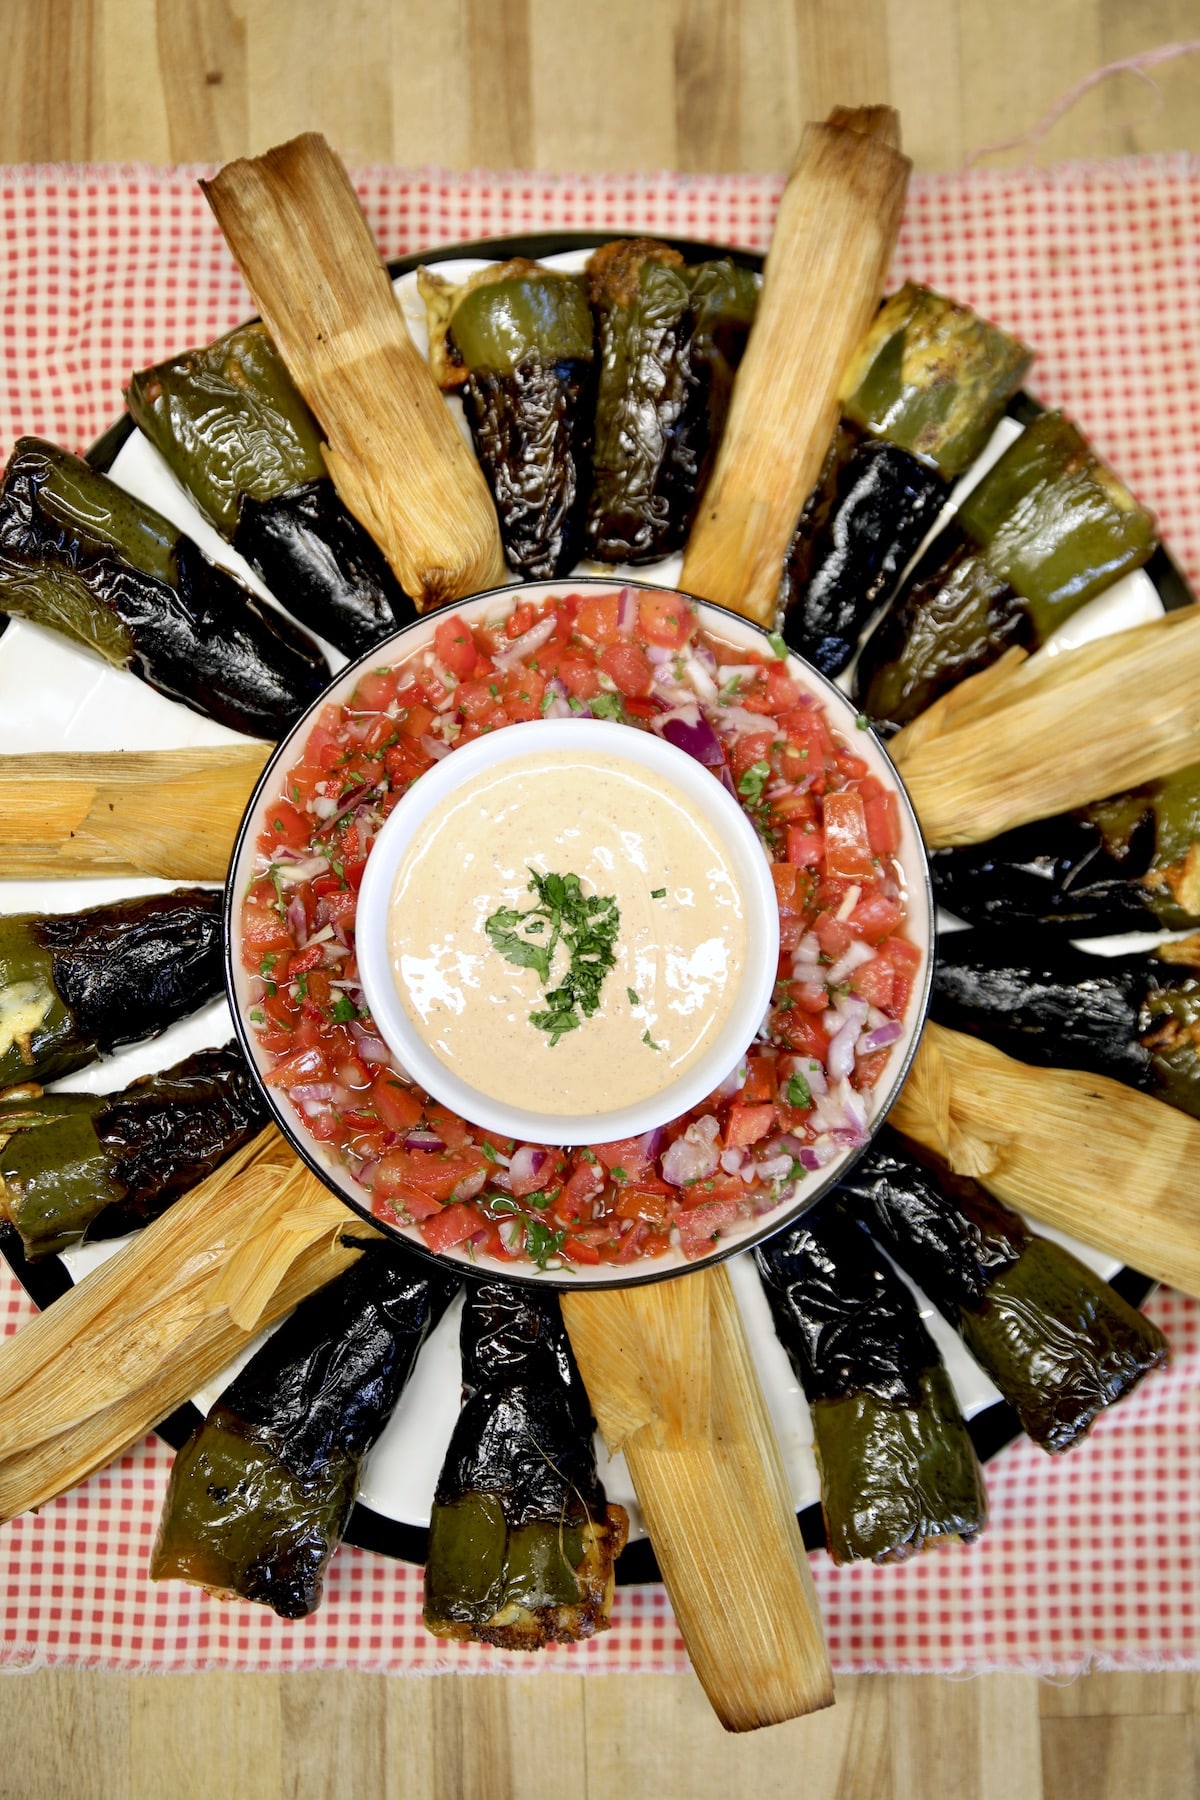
<point x="746" y="1124"/>
<point x="416" y="720"/>
<point x="300" y="1067"/>
<point x="665" y="619"/>
<point x="641" y="1201"/>
<point x="449" y="1127"/>
<point x="848" y="854"/>
<point x="453" y="1225"/>
<point x="623" y="1153"/>
<point x="396" y="1104"/>
<point x="700" y="1226"/>
<point x="833" y="935"/>
<point x="454" y="646"/>
<point x="629" y="667"/>
<point x="285" y="824"/>
<point x="577" y="672"/>
<point x="755" y="747"/>
<point x="264" y="933"/>
<point x="521" y="695"/>
<point x="883" y="819"/>
<point x="875" y="982"/>
<point x="875" y="918"/>
<point x="519" y="620"/>
<point x="303" y="960"/>
<point x="802" y="1031"/>
<point x="375" y="691"/>
<point x="759" y="1085"/>
<point x="806" y="727"/>
<point x="597" y="617"/>
<point x="433" y="1173"/>
<point x="805" y="846"/>
<point x="577" y="1250"/>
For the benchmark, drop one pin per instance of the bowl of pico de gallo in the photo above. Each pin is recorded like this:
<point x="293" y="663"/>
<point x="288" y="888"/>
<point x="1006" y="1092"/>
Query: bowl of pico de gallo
<point x="606" y="819"/>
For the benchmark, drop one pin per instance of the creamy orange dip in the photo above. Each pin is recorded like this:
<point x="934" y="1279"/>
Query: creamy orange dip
<point x="680" y="946"/>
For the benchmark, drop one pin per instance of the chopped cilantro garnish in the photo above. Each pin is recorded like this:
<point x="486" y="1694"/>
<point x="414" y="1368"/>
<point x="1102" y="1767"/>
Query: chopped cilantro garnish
<point x="493" y="690"/>
<point x="658" y="893"/>
<point x="754" y="781"/>
<point x="608" y="706"/>
<point x="540" y="1199"/>
<point x="863" y="723"/>
<point x="618" y="1173"/>
<point x="585" y="924"/>
<point x="547" y="702"/>
<point x="778" y="646"/>
<point x="632" y="995"/>
<point x="489" y="1152"/>
<point x="541" y="1243"/>
<point x="343" y="1010"/>
<point x="647" y="1039"/>
<point x="257" y="1014"/>
<point x="268" y="963"/>
<point x="797" y="1091"/>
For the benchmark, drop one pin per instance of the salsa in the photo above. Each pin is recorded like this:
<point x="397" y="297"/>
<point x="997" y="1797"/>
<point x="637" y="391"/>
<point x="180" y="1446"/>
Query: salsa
<point x="846" y="967"/>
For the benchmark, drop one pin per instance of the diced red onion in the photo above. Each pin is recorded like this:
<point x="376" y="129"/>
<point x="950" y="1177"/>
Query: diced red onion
<point x="366" y="1171"/>
<point x="694" y="1156"/>
<point x="815" y="1156"/>
<point x="423" y="1140"/>
<point x="297" y="918"/>
<point x="434" y="747"/>
<point x="317" y="1090"/>
<point x="691" y="732"/>
<point x="743" y="722"/>
<point x="372" y="1049"/>
<point x="774" y="1169"/>
<point x="527" y="643"/>
<point x="879" y="1038"/>
<point x="627" y="611"/>
<point x="323" y="806"/>
<point x="700" y="676"/>
<point x="290" y="873"/>
<point x="732" y="1160"/>
<point x="512" y="1235"/>
<point x="651" y="1142"/>
<point x="658" y="655"/>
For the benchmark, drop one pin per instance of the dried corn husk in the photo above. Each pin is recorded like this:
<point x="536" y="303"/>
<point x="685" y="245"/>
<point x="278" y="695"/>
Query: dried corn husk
<point x="1031" y="737"/>
<point x="99" y="1368"/>
<point x="673" y="1385"/>
<point x="1110" y="1166"/>
<point x="169" y="813"/>
<point x="399" y="462"/>
<point x="832" y="242"/>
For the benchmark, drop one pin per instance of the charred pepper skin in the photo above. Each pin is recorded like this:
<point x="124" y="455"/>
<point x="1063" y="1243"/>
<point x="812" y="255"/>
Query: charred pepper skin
<point x="1059" y="1343"/>
<point x="238" y="436"/>
<point x="1128" y="863"/>
<point x="884" y="503"/>
<point x="671" y="340"/>
<point x="522" y="1541"/>
<point x="76" y="1166"/>
<point x="81" y="556"/>
<point x="1135" y="1018"/>
<point x="79" y="985"/>
<point x="1046" y="529"/>
<point x="898" y="1469"/>
<point x="261" y="1493"/>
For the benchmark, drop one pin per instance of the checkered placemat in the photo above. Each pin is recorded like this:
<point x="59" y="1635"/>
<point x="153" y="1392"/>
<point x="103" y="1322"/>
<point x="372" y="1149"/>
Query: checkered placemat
<point x="1089" y="1559"/>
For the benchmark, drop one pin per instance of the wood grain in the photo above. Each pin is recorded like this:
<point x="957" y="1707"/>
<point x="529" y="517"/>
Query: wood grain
<point x="623" y="84"/>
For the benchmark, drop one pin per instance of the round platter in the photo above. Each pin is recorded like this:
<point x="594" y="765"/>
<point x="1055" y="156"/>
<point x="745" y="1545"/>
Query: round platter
<point x="54" y="697"/>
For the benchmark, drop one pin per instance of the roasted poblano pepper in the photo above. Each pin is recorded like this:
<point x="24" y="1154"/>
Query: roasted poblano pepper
<point x="84" y="558"/>
<point x="235" y="432"/>
<point x="261" y="1493"/>
<point x="1129" y="863"/>
<point x="75" y="986"/>
<point x="671" y="339"/>
<point x="1046" y="529"/>
<point x="517" y="341"/>
<point x="897" y="1465"/>
<point x="1034" y="995"/>
<point x="521" y="1541"/>
<point x="1059" y="1342"/>
<point x="919" y="401"/>
<point x="99" y="1165"/>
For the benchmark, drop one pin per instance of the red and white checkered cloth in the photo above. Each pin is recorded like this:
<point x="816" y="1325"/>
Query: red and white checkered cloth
<point x="1090" y="1560"/>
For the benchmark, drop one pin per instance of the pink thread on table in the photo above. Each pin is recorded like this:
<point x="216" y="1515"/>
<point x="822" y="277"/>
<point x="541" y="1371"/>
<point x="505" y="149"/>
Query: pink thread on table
<point x="1132" y="65"/>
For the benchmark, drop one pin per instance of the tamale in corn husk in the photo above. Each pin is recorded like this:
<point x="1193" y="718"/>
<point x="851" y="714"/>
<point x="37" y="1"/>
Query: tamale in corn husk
<point x="833" y="238"/>
<point x="172" y="814"/>
<point x="100" y="1367"/>
<point x="1109" y="1166"/>
<point x="672" y="1383"/>
<point x="1028" y="738"/>
<point x="397" y="459"/>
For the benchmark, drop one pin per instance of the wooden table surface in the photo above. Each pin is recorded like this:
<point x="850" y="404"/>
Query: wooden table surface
<point x="616" y="85"/>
